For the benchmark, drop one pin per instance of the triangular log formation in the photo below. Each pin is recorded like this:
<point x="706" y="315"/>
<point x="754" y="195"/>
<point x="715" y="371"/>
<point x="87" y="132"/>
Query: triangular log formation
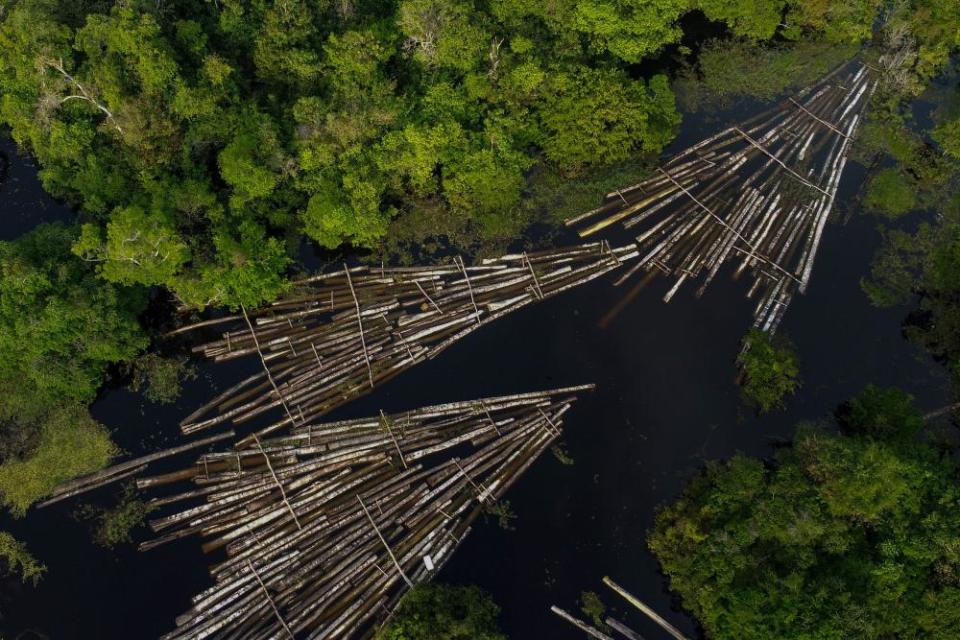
<point x="350" y="330"/>
<point x="327" y="527"/>
<point x="758" y="193"/>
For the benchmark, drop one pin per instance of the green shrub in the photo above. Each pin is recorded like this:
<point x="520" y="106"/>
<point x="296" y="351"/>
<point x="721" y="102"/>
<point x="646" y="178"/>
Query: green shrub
<point x="890" y="193"/>
<point x="18" y="560"/>
<point x="769" y="368"/>
<point x="112" y="526"/>
<point x="841" y="536"/>
<point x="442" y="612"/>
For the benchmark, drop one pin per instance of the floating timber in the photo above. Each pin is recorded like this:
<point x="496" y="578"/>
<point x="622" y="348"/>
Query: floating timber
<point x="345" y="332"/>
<point x="615" y="625"/>
<point x="327" y="527"/>
<point x="758" y="194"/>
<point x="123" y="470"/>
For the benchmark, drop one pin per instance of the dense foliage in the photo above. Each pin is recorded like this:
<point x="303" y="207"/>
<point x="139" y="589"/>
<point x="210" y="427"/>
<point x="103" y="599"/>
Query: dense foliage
<point x="70" y="444"/>
<point x="770" y="370"/>
<point x="62" y="326"/>
<point x="842" y="536"/>
<point x="442" y="612"/>
<point x="926" y="264"/>
<point x="203" y="137"/>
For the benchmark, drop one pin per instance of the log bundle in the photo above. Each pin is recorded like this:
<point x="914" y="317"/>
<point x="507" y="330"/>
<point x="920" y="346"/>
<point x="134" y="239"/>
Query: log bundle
<point x="757" y="195"/>
<point x="326" y="527"/>
<point x="345" y="332"/>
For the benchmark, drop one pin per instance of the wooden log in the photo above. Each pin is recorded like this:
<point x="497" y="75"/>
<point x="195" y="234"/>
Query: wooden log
<point x="580" y="624"/>
<point x="650" y="613"/>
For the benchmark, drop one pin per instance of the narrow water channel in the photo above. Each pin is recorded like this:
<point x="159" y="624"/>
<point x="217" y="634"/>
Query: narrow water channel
<point x="666" y="402"/>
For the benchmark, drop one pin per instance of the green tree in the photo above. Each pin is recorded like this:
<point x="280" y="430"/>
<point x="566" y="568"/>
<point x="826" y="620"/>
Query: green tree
<point x="61" y="325"/>
<point x="486" y="185"/>
<point x="600" y="117"/>
<point x="947" y="136"/>
<point x="891" y="193"/>
<point x="139" y="248"/>
<point x="757" y="20"/>
<point x="70" y="444"/>
<point x="848" y="21"/>
<point x="442" y="612"/>
<point x="885" y="413"/>
<point x="629" y="29"/>
<point x="442" y="33"/>
<point x="770" y="370"/>
<point x="841" y="536"/>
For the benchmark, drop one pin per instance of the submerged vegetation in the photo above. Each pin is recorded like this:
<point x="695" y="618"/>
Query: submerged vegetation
<point x="919" y="264"/>
<point x="112" y="526"/>
<point x="160" y="378"/>
<point x="727" y="70"/>
<point x="593" y="607"/>
<point x="768" y="364"/>
<point x="18" y="560"/>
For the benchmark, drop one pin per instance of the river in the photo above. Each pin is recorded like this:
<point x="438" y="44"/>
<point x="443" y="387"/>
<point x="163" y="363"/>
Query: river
<point x="666" y="402"/>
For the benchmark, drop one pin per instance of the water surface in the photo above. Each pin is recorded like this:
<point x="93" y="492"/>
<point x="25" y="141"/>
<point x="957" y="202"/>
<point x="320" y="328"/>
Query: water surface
<point x="666" y="402"/>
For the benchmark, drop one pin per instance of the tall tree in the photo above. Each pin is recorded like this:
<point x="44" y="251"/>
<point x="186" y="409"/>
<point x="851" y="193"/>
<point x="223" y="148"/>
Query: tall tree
<point x="61" y="325"/>
<point x="842" y="536"/>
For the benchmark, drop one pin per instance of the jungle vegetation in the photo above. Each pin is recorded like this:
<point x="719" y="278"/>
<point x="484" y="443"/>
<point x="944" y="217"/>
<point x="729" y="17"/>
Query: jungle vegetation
<point x="203" y="142"/>
<point x="444" y="612"/>
<point x="769" y="368"/>
<point x="15" y="559"/>
<point x="202" y="139"/>
<point x="918" y="263"/>
<point x="842" y="535"/>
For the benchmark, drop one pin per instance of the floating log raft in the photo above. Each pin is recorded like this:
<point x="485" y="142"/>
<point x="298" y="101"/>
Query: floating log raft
<point x="350" y="330"/>
<point x="327" y="527"/>
<point x="758" y="193"/>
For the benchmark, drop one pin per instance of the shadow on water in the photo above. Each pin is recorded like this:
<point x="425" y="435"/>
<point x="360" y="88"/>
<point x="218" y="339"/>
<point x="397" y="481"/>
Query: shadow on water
<point x="666" y="402"/>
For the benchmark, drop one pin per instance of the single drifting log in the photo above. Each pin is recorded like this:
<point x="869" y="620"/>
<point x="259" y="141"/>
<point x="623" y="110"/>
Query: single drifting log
<point x="623" y="629"/>
<point x="759" y="194"/>
<point x="123" y="470"/>
<point x="942" y="411"/>
<point x="326" y="527"/>
<point x="593" y="632"/>
<point x="650" y="613"/>
<point x="346" y="332"/>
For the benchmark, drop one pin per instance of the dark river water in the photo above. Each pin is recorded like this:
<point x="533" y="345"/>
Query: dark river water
<point x="666" y="402"/>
